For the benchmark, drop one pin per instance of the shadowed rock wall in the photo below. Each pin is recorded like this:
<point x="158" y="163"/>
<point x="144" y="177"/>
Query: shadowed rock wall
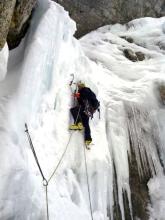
<point x="14" y="20"/>
<point x="20" y="21"/>
<point x="6" y="13"/>
<point x="91" y="14"/>
<point x="88" y="14"/>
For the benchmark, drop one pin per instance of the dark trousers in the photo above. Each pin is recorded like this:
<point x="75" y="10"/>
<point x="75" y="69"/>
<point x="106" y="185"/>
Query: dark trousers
<point x="79" y="116"/>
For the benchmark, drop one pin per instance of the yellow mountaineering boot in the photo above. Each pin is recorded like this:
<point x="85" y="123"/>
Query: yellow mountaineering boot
<point x="80" y="126"/>
<point x="73" y="127"/>
<point x="88" y="142"/>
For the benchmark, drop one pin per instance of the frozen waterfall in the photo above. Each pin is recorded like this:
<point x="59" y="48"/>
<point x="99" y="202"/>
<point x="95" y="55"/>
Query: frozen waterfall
<point x="128" y="140"/>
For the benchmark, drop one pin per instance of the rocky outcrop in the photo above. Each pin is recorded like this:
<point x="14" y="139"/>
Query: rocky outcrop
<point x="6" y="12"/>
<point x="140" y="56"/>
<point x="88" y="14"/>
<point x="139" y="191"/>
<point x="91" y="14"/>
<point x="14" y="20"/>
<point x="134" y="56"/>
<point x="161" y="90"/>
<point x="20" y="21"/>
<point x="129" y="39"/>
<point x="130" y="54"/>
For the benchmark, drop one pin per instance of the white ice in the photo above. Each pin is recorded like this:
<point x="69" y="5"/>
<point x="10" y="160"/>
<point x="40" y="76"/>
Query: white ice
<point x="3" y="62"/>
<point x="36" y="91"/>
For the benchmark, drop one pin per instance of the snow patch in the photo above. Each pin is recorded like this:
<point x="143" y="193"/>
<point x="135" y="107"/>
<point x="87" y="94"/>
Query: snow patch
<point x="4" y="53"/>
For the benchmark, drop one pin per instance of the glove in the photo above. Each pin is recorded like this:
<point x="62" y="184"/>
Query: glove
<point x="76" y="95"/>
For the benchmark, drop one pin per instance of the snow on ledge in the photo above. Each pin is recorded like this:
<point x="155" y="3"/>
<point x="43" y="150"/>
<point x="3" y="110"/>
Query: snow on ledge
<point x="4" y="53"/>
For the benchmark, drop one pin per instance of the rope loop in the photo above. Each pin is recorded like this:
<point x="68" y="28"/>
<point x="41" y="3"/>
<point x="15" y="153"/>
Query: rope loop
<point x="45" y="182"/>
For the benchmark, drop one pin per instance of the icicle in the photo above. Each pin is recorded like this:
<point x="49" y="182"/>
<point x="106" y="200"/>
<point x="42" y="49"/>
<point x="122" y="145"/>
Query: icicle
<point x="140" y="124"/>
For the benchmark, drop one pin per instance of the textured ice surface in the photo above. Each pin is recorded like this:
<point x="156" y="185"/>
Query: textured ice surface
<point x="36" y="91"/>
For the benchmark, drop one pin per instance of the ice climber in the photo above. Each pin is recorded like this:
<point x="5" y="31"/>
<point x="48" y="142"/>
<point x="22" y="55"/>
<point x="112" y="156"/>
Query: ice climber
<point x="87" y="105"/>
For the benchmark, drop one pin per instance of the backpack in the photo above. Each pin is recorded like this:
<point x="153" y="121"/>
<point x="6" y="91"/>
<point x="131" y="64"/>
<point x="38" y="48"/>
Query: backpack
<point x="89" y="110"/>
<point x="91" y="104"/>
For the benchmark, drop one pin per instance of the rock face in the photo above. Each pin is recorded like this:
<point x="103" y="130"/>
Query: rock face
<point x="134" y="56"/>
<point x="139" y="191"/>
<point x="91" y="14"/>
<point x="14" y="20"/>
<point x="130" y="55"/>
<point x="6" y="12"/>
<point x="20" y="21"/>
<point x="88" y="14"/>
<point x="161" y="90"/>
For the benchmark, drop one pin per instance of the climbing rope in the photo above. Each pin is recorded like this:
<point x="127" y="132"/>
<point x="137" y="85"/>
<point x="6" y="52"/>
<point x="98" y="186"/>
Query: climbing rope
<point x="45" y="181"/>
<point x="87" y="178"/>
<point x="65" y="148"/>
<point x="47" y="202"/>
<point x="61" y="158"/>
<point x="34" y="153"/>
